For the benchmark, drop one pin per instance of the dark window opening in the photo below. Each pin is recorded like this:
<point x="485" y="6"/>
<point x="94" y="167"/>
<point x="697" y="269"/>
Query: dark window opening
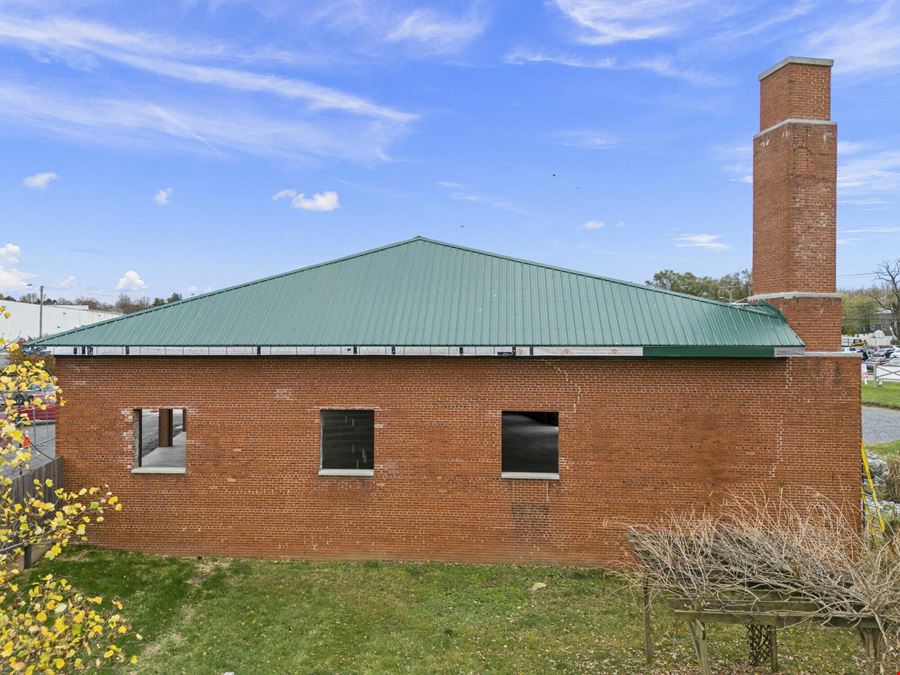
<point x="160" y="438"/>
<point x="530" y="442"/>
<point x="348" y="439"/>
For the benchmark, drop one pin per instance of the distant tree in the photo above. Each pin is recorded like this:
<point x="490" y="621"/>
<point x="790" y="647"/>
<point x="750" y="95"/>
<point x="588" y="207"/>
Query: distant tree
<point x="729" y="288"/>
<point x="157" y="302"/>
<point x="31" y="297"/>
<point x="127" y="305"/>
<point x="886" y="291"/>
<point x="95" y="304"/>
<point x="175" y="297"/>
<point x="859" y="312"/>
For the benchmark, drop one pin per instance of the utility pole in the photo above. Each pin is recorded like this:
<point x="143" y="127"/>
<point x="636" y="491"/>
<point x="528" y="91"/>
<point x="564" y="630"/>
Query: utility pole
<point x="41" y="316"/>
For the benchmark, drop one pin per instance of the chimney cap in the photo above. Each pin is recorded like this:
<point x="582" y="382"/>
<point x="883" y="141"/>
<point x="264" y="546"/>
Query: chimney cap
<point x="805" y="60"/>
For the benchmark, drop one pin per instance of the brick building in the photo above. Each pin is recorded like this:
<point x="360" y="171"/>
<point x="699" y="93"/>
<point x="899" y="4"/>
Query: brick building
<point x="428" y="401"/>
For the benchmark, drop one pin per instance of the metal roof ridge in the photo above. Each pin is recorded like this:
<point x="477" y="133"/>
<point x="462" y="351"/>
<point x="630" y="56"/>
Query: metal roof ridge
<point x="590" y="275"/>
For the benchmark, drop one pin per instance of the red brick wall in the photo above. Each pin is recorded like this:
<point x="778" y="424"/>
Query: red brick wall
<point x="795" y="91"/>
<point x="816" y="320"/>
<point x="637" y="437"/>
<point x="794" y="209"/>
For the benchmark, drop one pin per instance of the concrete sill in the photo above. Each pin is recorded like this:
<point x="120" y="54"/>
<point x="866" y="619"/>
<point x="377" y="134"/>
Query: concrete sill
<point x="346" y="472"/>
<point x="525" y="475"/>
<point x="158" y="469"/>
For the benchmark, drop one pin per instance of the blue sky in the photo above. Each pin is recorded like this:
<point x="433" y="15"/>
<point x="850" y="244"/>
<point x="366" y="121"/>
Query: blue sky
<point x="184" y="146"/>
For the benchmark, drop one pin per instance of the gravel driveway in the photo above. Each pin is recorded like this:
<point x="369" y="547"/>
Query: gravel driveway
<point x="880" y="425"/>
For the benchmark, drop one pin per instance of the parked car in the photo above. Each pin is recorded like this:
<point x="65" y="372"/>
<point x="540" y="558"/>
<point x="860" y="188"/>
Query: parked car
<point x="37" y="404"/>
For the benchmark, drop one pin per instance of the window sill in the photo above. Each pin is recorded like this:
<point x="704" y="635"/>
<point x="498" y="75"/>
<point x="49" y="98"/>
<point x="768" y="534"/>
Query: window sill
<point x="158" y="469"/>
<point x="346" y="472"/>
<point x="526" y="475"/>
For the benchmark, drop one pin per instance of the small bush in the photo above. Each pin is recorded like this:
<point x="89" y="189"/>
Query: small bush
<point x="892" y="480"/>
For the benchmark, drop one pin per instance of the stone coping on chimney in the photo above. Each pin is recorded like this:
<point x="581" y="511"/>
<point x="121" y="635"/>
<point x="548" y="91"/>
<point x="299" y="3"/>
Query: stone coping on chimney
<point x="793" y="120"/>
<point x="803" y="60"/>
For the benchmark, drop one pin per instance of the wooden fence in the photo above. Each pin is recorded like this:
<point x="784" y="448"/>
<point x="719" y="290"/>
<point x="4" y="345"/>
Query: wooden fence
<point x="23" y="487"/>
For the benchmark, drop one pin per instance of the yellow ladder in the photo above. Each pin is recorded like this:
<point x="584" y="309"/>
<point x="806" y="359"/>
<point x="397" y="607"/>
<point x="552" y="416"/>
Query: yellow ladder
<point x="867" y="508"/>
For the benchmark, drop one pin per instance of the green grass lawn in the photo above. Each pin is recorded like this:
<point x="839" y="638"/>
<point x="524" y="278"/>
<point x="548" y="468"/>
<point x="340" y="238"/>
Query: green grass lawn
<point x="885" y="450"/>
<point x="887" y="395"/>
<point x="217" y="615"/>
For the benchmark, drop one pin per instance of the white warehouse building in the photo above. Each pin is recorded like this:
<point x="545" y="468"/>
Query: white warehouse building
<point x="28" y="320"/>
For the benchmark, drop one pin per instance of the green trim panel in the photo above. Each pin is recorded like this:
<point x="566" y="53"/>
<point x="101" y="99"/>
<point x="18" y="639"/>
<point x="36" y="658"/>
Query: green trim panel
<point x="743" y="352"/>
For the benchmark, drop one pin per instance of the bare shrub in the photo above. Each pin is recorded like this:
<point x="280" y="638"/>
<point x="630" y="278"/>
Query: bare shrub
<point x="751" y="554"/>
<point x="892" y="480"/>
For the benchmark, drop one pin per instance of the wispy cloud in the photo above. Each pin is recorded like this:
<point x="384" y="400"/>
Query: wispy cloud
<point x="39" y="181"/>
<point x="163" y="197"/>
<point x="433" y="33"/>
<point x="707" y="241"/>
<point x="522" y="56"/>
<point x="662" y="65"/>
<point x="864" y="45"/>
<point x="873" y="230"/>
<point x="868" y="173"/>
<point x="606" y="22"/>
<point x="10" y="252"/>
<point x="324" y="122"/>
<point x="586" y="139"/>
<point x="599" y="224"/>
<point x="490" y="201"/>
<point x="462" y="192"/>
<point x="320" y="201"/>
<point x="130" y="281"/>
<point x="202" y="126"/>
<point x="736" y="159"/>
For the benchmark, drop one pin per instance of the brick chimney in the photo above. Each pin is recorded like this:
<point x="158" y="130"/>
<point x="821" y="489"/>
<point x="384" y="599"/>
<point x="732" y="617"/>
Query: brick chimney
<point x="795" y="200"/>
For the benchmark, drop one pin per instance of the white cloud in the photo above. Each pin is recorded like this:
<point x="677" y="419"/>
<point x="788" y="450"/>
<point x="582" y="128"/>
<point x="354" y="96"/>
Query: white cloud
<point x="65" y="283"/>
<point x="163" y="197"/>
<point x="40" y="180"/>
<point x="130" y="281"/>
<point x="13" y="279"/>
<point x="10" y="252"/>
<point x="192" y="290"/>
<point x="708" y="241"/>
<point x="593" y="225"/>
<point x="436" y="34"/>
<point x="450" y="185"/>
<point x="320" y="201"/>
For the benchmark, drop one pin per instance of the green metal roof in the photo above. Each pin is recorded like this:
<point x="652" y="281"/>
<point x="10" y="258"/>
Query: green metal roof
<point x="427" y="293"/>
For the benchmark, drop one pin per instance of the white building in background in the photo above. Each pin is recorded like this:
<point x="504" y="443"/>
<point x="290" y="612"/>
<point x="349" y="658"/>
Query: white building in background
<point x="25" y="319"/>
